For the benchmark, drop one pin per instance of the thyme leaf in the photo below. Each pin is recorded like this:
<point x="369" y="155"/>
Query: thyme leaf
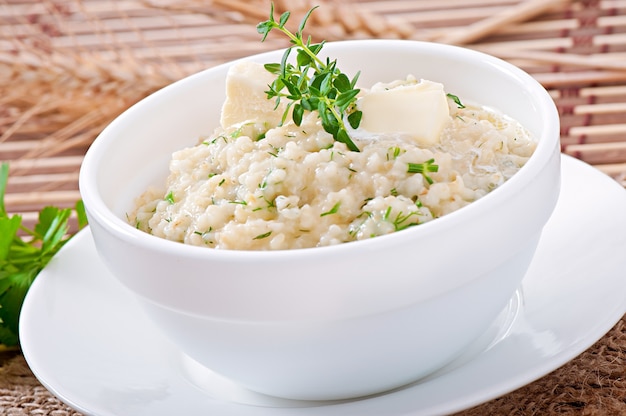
<point x="312" y="84"/>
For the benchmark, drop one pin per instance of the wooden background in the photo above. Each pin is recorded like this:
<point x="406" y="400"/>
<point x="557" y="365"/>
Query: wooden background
<point x="68" y="67"/>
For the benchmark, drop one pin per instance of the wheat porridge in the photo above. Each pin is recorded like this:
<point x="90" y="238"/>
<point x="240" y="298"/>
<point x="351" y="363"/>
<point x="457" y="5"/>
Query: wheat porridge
<point x="257" y="185"/>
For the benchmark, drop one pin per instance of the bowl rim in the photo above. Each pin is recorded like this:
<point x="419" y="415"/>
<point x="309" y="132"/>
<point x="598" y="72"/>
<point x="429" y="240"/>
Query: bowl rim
<point x="548" y="143"/>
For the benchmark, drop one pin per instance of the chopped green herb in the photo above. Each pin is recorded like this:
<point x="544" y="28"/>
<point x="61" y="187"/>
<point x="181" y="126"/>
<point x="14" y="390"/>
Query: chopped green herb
<point x="400" y="222"/>
<point x="387" y="214"/>
<point x="170" y="197"/>
<point x="216" y="139"/>
<point x="456" y="100"/>
<point x="394" y="152"/>
<point x="270" y="204"/>
<point x="265" y="182"/>
<point x="275" y="150"/>
<point x="312" y="84"/>
<point x="333" y="210"/>
<point x="237" y="132"/>
<point x="206" y="234"/>
<point x="424" y="168"/>
<point x="261" y="236"/>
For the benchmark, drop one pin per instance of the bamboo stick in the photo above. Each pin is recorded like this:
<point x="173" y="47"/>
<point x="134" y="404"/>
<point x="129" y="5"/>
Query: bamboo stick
<point x="152" y="36"/>
<point x="576" y="79"/>
<point x="607" y="129"/>
<point x="604" y="108"/>
<point x="523" y="11"/>
<point x="611" y="21"/>
<point x="42" y="179"/>
<point x="612" y="169"/>
<point x="606" y="91"/>
<point x="584" y="61"/>
<point x="598" y="153"/>
<point x="523" y="44"/>
<point x="399" y="6"/>
<point x="542" y="26"/>
<point x="49" y="164"/>
<point x="456" y="15"/>
<point x="610" y="39"/>
<point x="49" y="197"/>
<point x="92" y="7"/>
<point x="568" y="140"/>
<point x="613" y="4"/>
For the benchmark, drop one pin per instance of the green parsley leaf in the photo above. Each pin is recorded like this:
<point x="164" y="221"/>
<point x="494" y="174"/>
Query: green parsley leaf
<point x="24" y="253"/>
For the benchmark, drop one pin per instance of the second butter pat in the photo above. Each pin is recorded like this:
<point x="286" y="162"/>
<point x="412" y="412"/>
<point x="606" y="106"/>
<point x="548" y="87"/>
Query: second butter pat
<point x="419" y="110"/>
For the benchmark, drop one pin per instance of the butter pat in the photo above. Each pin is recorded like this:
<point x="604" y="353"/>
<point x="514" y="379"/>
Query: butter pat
<point x="246" y="100"/>
<point x="419" y="110"/>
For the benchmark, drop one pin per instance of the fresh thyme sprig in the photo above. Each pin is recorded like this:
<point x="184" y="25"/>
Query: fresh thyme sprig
<point x="312" y="84"/>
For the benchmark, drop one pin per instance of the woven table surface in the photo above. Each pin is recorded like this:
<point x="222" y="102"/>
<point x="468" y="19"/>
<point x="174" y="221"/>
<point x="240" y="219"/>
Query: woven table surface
<point x="68" y="67"/>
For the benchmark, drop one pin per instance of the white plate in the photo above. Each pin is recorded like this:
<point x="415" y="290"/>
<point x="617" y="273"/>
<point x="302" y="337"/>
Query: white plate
<point x="89" y="344"/>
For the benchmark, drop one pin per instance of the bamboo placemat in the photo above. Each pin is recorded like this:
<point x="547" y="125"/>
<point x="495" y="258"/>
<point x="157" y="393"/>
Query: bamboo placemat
<point x="68" y="67"/>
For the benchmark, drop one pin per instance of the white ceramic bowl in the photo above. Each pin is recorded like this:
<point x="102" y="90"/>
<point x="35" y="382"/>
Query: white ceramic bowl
<point x="340" y="321"/>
